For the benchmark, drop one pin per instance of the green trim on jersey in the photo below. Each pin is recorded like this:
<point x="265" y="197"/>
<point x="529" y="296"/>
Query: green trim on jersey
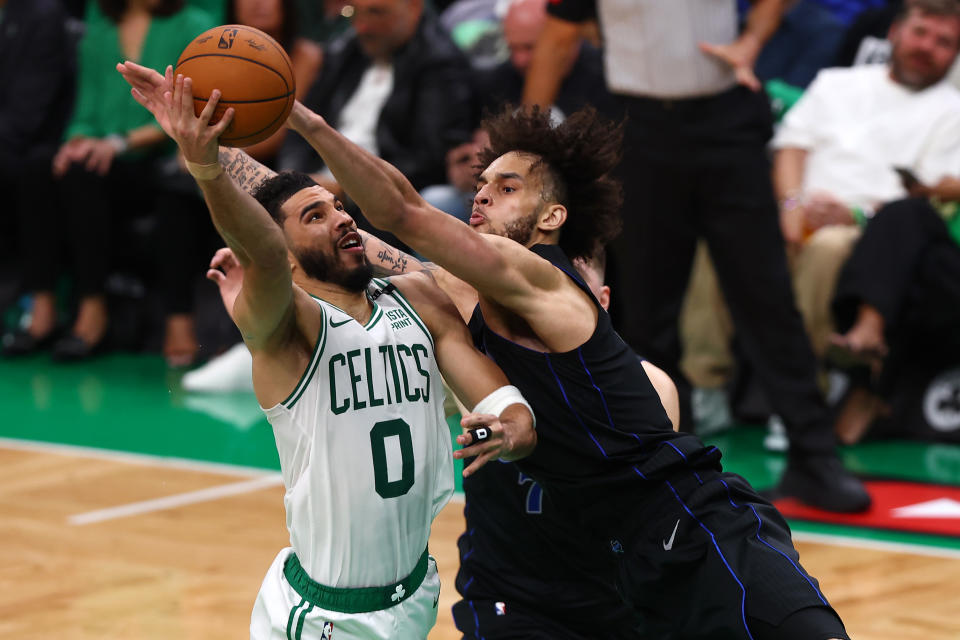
<point x="405" y="304"/>
<point x="314" y="362"/>
<point x="375" y="314"/>
<point x="359" y="600"/>
<point x="374" y="317"/>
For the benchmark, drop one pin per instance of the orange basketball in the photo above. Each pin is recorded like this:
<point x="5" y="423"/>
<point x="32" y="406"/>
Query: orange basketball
<point x="253" y="74"/>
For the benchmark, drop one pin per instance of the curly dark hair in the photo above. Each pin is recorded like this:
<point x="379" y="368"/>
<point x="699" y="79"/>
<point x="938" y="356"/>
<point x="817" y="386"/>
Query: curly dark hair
<point x="114" y="9"/>
<point x="273" y="192"/>
<point x="575" y="159"/>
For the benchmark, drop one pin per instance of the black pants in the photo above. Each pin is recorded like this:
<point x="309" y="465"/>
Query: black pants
<point x="906" y="266"/>
<point x="698" y="168"/>
<point x="81" y="224"/>
<point x="705" y="557"/>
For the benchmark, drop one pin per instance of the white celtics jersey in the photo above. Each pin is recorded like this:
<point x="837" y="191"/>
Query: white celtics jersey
<point x="364" y="448"/>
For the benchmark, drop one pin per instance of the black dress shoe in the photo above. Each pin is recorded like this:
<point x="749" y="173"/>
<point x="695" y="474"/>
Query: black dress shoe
<point x="72" y="348"/>
<point x="20" y="342"/>
<point x="822" y="482"/>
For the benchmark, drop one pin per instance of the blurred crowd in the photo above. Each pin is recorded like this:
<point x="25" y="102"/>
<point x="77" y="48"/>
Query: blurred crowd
<point x="791" y="241"/>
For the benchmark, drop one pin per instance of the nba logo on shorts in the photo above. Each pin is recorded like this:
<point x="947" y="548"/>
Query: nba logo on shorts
<point x="501" y="608"/>
<point x="226" y="38"/>
<point x="327" y="633"/>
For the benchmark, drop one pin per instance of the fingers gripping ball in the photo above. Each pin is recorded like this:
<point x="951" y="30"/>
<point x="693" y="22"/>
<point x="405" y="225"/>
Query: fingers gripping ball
<point x="253" y="74"/>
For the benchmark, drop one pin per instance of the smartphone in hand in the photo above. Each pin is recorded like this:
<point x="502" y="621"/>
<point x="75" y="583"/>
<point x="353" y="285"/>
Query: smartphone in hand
<point x="907" y="177"/>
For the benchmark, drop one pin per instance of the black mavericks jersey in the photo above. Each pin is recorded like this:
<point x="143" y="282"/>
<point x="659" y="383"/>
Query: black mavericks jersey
<point x="602" y="432"/>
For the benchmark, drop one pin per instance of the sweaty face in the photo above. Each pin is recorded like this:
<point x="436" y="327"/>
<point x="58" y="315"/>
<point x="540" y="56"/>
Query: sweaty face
<point x="924" y="47"/>
<point x="383" y="26"/>
<point x="508" y="200"/>
<point x="324" y="240"/>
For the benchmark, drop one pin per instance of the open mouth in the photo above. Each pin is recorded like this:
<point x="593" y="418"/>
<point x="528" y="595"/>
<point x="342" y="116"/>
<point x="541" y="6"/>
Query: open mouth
<point x="476" y="218"/>
<point x="351" y="241"/>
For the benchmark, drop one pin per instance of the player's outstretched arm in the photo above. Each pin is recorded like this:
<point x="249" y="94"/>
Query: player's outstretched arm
<point x="249" y="174"/>
<point x="390" y="202"/>
<point x="498" y="408"/>
<point x="264" y="303"/>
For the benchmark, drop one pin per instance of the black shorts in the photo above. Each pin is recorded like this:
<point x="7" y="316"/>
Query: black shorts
<point x="489" y="620"/>
<point x="706" y="557"/>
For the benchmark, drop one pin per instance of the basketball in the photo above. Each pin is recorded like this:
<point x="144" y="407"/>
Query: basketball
<point x="253" y="74"/>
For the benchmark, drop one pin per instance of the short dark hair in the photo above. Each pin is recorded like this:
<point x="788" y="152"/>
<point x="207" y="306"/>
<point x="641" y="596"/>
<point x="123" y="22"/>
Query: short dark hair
<point x="273" y="192"/>
<point x="114" y="9"/>
<point x="575" y="159"/>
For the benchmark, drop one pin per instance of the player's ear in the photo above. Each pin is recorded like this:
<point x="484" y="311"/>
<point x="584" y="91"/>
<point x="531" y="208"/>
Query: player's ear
<point x="552" y="218"/>
<point x="604" y="298"/>
<point x="294" y="265"/>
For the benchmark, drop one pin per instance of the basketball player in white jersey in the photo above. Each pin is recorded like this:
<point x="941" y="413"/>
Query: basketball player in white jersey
<point x="348" y="370"/>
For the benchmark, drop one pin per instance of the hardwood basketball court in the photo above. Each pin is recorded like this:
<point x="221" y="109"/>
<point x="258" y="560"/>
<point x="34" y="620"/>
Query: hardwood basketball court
<point x="133" y="511"/>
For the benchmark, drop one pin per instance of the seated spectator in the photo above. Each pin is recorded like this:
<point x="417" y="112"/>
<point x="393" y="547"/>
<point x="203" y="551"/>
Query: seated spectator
<point x="398" y="86"/>
<point x="898" y="301"/>
<point x="839" y="148"/>
<point x="37" y="56"/>
<point x="836" y="153"/>
<point x="111" y="164"/>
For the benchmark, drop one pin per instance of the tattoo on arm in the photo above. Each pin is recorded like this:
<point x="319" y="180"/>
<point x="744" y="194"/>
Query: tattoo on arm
<point x="390" y="261"/>
<point x="244" y="170"/>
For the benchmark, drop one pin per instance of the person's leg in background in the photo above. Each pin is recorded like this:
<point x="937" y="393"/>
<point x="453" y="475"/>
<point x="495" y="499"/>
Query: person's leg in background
<point x="706" y="331"/>
<point x="895" y="297"/>
<point x="740" y="222"/>
<point x="40" y="230"/>
<point x="816" y="268"/>
<point x="87" y="196"/>
<point x="654" y="252"/>
<point x="187" y="239"/>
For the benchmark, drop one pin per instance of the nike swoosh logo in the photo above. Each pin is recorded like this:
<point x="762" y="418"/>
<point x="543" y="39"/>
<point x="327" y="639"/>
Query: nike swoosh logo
<point x="668" y="544"/>
<point x="339" y="324"/>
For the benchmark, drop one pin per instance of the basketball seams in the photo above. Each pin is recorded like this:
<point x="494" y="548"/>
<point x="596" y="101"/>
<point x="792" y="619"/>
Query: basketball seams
<point x="276" y="45"/>
<point x="203" y="57"/>
<point x="282" y="116"/>
<point x="236" y="57"/>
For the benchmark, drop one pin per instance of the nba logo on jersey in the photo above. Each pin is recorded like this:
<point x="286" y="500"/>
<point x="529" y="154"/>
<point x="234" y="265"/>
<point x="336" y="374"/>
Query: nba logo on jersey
<point x="501" y="608"/>
<point x="327" y="633"/>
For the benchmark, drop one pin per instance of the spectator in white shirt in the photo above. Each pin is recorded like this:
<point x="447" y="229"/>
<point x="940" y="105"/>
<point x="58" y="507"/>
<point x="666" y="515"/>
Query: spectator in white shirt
<point x="839" y="148"/>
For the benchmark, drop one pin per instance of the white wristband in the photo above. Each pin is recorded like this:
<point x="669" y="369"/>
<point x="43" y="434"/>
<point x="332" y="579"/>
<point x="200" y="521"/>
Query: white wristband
<point x="502" y="398"/>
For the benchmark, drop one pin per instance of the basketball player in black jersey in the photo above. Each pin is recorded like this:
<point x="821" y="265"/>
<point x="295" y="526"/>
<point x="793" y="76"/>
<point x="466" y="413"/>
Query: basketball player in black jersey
<point x="697" y="553"/>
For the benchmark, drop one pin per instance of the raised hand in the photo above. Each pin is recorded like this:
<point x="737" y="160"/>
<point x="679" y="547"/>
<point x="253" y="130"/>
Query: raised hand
<point x="148" y="87"/>
<point x="170" y="100"/>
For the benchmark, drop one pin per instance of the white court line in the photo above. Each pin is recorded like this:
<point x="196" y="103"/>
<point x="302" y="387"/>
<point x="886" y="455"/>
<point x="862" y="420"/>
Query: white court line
<point x="877" y="545"/>
<point x="174" y="501"/>
<point x="132" y="458"/>
<point x="216" y="467"/>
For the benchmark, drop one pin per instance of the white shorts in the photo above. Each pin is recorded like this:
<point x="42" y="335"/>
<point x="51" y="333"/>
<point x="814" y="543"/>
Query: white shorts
<point x="280" y="613"/>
